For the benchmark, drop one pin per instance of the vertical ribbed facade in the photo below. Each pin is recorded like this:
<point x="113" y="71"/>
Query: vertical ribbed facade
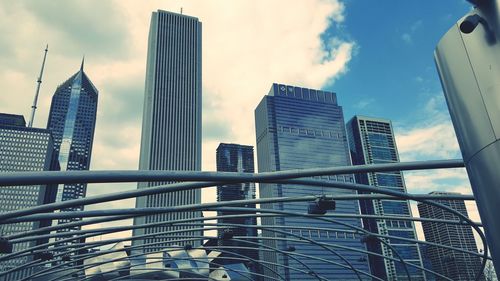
<point x="299" y="128"/>
<point x="72" y="120"/>
<point x="372" y="141"/>
<point x="23" y="149"/>
<point x="171" y="128"/>
<point x="238" y="158"/>
<point x="456" y="265"/>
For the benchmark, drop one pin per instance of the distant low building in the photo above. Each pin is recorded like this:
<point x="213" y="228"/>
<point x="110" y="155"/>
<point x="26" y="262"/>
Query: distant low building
<point x="238" y="158"/>
<point x="456" y="265"/>
<point x="424" y="252"/>
<point x="23" y="149"/>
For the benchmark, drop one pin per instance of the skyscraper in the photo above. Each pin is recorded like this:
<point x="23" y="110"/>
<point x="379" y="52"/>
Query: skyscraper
<point x="371" y="141"/>
<point x="23" y="149"/>
<point x="72" y="120"/>
<point x="300" y="128"/>
<point x="455" y="265"/>
<point x="171" y="125"/>
<point x="237" y="158"/>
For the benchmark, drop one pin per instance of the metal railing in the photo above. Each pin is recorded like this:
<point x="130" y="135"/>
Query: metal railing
<point x="63" y="256"/>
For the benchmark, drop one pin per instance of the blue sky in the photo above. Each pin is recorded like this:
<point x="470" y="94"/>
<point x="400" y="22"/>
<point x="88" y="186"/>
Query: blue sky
<point x="393" y="69"/>
<point x="392" y="75"/>
<point x="376" y="55"/>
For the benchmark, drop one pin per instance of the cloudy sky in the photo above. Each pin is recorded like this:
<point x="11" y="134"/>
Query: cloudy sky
<point x="376" y="55"/>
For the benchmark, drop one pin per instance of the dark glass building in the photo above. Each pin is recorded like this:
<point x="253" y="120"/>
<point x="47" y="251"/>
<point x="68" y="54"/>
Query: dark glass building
<point x="371" y="141"/>
<point x="72" y="120"/>
<point x="300" y="128"/>
<point x="23" y="149"/>
<point x="426" y="260"/>
<point x="171" y="124"/>
<point x="237" y="158"/>
<point x="458" y="266"/>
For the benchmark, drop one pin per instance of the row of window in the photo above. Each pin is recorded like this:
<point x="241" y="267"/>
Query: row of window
<point x="398" y="224"/>
<point x="309" y="132"/>
<point x="16" y="191"/>
<point x="24" y="132"/>
<point x="324" y="234"/>
<point x="304" y="93"/>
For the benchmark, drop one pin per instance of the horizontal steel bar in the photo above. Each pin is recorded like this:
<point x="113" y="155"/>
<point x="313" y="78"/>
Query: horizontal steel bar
<point x="204" y="206"/>
<point x="187" y="186"/>
<point x="59" y="177"/>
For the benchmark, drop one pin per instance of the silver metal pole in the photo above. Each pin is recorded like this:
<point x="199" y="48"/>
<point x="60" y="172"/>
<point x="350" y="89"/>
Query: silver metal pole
<point x="38" y="83"/>
<point x="468" y="62"/>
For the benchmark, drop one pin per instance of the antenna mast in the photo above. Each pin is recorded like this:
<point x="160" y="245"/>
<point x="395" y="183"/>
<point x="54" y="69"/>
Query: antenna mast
<point x="39" y="82"/>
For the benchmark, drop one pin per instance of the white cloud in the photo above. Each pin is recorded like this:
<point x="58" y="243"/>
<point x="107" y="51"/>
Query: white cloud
<point x="416" y="25"/>
<point x="247" y="45"/>
<point x="452" y="180"/>
<point x="406" y="37"/>
<point x="431" y="141"/>
<point x="429" y="137"/>
<point x="362" y="104"/>
<point x="257" y="45"/>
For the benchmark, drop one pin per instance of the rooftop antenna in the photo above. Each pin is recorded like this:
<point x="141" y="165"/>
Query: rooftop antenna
<point x="181" y="10"/>
<point x="39" y="82"/>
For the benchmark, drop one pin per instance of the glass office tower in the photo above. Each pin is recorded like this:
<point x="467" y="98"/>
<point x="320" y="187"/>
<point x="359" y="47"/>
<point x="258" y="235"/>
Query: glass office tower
<point x="300" y="128"/>
<point x="23" y="149"/>
<point x="371" y="141"/>
<point x="456" y="265"/>
<point x="72" y="120"/>
<point x="237" y="158"/>
<point x="171" y="124"/>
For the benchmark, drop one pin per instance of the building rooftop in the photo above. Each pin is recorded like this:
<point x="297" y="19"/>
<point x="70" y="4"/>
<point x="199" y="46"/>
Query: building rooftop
<point x="12" y="120"/>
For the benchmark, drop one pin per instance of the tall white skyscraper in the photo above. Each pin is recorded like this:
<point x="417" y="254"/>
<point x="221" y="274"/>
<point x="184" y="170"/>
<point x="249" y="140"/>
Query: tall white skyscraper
<point x="171" y="128"/>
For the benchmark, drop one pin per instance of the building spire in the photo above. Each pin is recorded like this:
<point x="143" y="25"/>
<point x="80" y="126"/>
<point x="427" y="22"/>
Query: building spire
<point x="39" y="82"/>
<point x="83" y="61"/>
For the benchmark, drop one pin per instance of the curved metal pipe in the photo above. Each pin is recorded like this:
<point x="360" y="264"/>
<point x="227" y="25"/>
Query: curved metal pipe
<point x="206" y="206"/>
<point x="311" y="241"/>
<point x="295" y="241"/>
<point x="14" y="238"/>
<point x="302" y="214"/>
<point x="396" y="237"/>
<point x="286" y="233"/>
